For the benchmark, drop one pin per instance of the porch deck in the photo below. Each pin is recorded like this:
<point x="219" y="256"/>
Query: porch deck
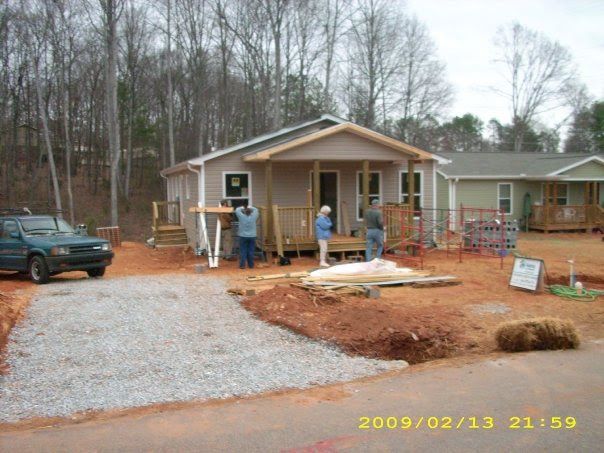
<point x="293" y="231"/>
<point x="566" y="217"/>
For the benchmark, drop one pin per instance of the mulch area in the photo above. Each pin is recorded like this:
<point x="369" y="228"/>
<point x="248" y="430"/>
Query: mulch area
<point x="361" y="326"/>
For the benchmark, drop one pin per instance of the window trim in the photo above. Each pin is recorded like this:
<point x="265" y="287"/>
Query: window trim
<point x="357" y="188"/>
<point x="511" y="198"/>
<point x="421" y="186"/>
<point x="552" y="195"/>
<point x="249" y="184"/>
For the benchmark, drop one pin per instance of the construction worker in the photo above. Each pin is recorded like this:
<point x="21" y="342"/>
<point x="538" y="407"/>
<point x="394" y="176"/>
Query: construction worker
<point x="323" y="226"/>
<point x="374" y="221"/>
<point x="225" y="230"/>
<point x="247" y="235"/>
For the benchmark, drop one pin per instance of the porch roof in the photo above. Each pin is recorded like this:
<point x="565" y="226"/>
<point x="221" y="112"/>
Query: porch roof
<point x="288" y="144"/>
<point x="509" y="165"/>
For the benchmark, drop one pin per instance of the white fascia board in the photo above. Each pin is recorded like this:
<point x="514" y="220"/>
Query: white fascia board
<point x="577" y="164"/>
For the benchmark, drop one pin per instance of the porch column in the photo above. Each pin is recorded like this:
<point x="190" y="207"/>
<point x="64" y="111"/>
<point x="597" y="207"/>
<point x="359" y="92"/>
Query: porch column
<point x="555" y="195"/>
<point x="586" y="194"/>
<point x="595" y="194"/>
<point x="411" y="189"/>
<point x="316" y="186"/>
<point x="365" y="187"/>
<point x="546" y="216"/>
<point x="268" y="176"/>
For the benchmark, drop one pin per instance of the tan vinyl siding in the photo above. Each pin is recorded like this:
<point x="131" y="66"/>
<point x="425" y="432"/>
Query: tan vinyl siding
<point x="587" y="170"/>
<point x="342" y="146"/>
<point x="182" y="180"/>
<point x="442" y="192"/>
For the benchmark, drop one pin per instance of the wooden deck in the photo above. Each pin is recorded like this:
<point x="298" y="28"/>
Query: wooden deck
<point x="566" y="218"/>
<point x="167" y="228"/>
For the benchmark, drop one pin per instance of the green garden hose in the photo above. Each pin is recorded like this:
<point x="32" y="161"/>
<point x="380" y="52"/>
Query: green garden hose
<point x="580" y="295"/>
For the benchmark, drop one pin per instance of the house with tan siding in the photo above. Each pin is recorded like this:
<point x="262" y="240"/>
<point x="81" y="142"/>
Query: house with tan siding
<point x="559" y="191"/>
<point x="354" y="164"/>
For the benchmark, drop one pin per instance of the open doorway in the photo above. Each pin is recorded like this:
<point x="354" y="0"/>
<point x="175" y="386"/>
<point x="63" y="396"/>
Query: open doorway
<point x="330" y="193"/>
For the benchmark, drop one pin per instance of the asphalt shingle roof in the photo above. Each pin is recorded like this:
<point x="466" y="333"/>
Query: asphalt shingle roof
<point x="508" y="164"/>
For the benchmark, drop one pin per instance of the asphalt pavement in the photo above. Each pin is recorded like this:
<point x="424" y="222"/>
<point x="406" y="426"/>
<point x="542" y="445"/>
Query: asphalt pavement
<point x="540" y="401"/>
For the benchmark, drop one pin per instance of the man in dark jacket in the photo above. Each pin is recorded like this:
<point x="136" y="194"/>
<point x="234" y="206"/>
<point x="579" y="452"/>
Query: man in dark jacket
<point x="374" y="221"/>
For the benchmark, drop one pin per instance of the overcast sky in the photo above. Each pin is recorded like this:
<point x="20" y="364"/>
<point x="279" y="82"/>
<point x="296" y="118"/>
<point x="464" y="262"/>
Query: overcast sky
<point x="463" y="31"/>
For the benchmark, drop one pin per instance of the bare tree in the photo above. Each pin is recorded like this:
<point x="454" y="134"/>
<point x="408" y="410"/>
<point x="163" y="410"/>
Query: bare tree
<point x="111" y="11"/>
<point x="423" y="92"/>
<point x="537" y="74"/>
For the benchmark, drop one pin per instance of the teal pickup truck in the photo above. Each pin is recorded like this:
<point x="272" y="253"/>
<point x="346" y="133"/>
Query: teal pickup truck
<point x="42" y="246"/>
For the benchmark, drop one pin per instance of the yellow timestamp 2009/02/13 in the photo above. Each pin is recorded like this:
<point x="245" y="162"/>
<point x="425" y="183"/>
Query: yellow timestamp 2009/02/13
<point x="472" y="422"/>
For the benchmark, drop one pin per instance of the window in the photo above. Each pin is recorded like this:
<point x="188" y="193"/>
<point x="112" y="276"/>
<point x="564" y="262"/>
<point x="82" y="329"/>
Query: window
<point x="236" y="188"/>
<point x="418" y="198"/>
<point x="561" y="195"/>
<point x="375" y="186"/>
<point x="10" y="226"/>
<point x="504" y="197"/>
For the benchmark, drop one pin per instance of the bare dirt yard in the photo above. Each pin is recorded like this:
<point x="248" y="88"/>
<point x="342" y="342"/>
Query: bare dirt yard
<point x="447" y="321"/>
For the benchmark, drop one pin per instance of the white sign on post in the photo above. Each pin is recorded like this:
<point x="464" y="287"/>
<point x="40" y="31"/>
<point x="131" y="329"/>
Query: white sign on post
<point x="526" y="273"/>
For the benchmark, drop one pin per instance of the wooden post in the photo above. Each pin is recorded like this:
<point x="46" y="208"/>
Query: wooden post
<point x="411" y="190"/>
<point x="316" y="186"/>
<point x="277" y="227"/>
<point x="365" y="187"/>
<point x="594" y="193"/>
<point x="546" y="206"/>
<point x="268" y="172"/>
<point x="555" y="195"/>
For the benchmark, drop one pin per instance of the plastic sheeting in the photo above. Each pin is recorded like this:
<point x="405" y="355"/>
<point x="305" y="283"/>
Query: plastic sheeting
<point x="375" y="267"/>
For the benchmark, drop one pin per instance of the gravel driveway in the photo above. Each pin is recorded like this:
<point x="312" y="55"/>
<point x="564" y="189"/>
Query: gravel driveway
<point x="114" y="343"/>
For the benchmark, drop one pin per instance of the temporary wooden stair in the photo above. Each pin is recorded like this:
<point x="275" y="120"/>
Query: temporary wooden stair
<point x="170" y="236"/>
<point x="167" y="230"/>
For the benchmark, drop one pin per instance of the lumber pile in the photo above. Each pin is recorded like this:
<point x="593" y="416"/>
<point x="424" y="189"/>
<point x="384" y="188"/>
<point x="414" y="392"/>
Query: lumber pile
<point x="259" y="278"/>
<point x="366" y="279"/>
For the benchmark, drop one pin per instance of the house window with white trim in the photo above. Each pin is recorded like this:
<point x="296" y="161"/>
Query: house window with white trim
<point x="504" y="197"/>
<point x="237" y="188"/>
<point x="418" y="197"/>
<point x="561" y="194"/>
<point x="375" y="185"/>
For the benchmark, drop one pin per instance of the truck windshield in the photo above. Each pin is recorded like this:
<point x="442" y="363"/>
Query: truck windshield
<point x="50" y="225"/>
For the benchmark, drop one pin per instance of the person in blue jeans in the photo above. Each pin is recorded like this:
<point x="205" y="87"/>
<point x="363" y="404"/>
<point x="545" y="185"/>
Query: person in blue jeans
<point x="247" y="235"/>
<point x="375" y="230"/>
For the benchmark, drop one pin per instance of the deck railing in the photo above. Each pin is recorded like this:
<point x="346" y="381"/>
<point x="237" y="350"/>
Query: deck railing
<point x="565" y="215"/>
<point x="295" y="222"/>
<point x="166" y="213"/>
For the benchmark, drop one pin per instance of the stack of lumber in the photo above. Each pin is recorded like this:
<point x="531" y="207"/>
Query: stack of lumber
<point x="343" y="290"/>
<point x="360" y="279"/>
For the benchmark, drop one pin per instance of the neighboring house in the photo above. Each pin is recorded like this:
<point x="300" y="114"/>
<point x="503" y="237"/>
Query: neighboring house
<point x="566" y="186"/>
<point x="277" y="169"/>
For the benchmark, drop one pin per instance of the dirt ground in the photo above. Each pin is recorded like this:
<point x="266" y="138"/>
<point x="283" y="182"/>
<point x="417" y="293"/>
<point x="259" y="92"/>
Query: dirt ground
<point x="463" y="316"/>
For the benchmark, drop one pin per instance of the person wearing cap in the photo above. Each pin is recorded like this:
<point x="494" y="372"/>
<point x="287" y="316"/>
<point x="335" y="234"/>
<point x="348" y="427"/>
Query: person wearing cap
<point x="374" y="221"/>
<point x="226" y="231"/>
<point x="323" y="226"/>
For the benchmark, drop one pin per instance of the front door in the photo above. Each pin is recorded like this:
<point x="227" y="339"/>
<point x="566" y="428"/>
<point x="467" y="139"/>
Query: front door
<point x="329" y="193"/>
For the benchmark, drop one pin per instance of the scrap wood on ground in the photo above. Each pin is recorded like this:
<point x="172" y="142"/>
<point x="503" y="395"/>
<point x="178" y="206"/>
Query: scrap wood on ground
<point x="358" y="325"/>
<point x="537" y="334"/>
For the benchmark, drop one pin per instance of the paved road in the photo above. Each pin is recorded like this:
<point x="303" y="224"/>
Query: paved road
<point x="538" y="385"/>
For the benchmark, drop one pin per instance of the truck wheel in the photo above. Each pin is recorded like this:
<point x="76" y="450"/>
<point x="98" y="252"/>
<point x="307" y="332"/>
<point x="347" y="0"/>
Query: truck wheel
<point x="38" y="270"/>
<point x="96" y="272"/>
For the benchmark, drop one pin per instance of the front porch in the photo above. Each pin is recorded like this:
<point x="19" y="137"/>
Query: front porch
<point x="293" y="230"/>
<point x="552" y="216"/>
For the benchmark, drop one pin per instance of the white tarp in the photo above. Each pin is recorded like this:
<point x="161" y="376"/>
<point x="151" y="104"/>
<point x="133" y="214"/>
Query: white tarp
<point x="375" y="267"/>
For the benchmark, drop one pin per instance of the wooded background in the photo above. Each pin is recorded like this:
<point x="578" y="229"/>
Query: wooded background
<point x="96" y="96"/>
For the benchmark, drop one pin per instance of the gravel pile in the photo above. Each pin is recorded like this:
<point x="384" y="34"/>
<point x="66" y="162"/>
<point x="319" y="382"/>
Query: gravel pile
<point x="105" y="344"/>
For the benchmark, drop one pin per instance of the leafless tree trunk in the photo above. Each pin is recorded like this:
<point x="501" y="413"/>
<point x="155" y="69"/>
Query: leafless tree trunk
<point x="170" y="95"/>
<point x="111" y="12"/>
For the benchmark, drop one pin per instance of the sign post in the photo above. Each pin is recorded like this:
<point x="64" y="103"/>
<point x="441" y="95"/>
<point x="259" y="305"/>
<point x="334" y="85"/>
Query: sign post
<point x="527" y="273"/>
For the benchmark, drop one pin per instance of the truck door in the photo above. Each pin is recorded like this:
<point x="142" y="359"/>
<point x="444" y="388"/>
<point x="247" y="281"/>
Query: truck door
<point x="12" y="250"/>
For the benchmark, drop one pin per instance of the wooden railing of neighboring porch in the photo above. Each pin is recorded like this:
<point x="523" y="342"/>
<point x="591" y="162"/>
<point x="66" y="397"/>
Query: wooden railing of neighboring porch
<point x="566" y="217"/>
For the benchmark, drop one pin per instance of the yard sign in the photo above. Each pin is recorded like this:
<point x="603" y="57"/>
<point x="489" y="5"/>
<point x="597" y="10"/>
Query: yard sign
<point x="527" y="273"/>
